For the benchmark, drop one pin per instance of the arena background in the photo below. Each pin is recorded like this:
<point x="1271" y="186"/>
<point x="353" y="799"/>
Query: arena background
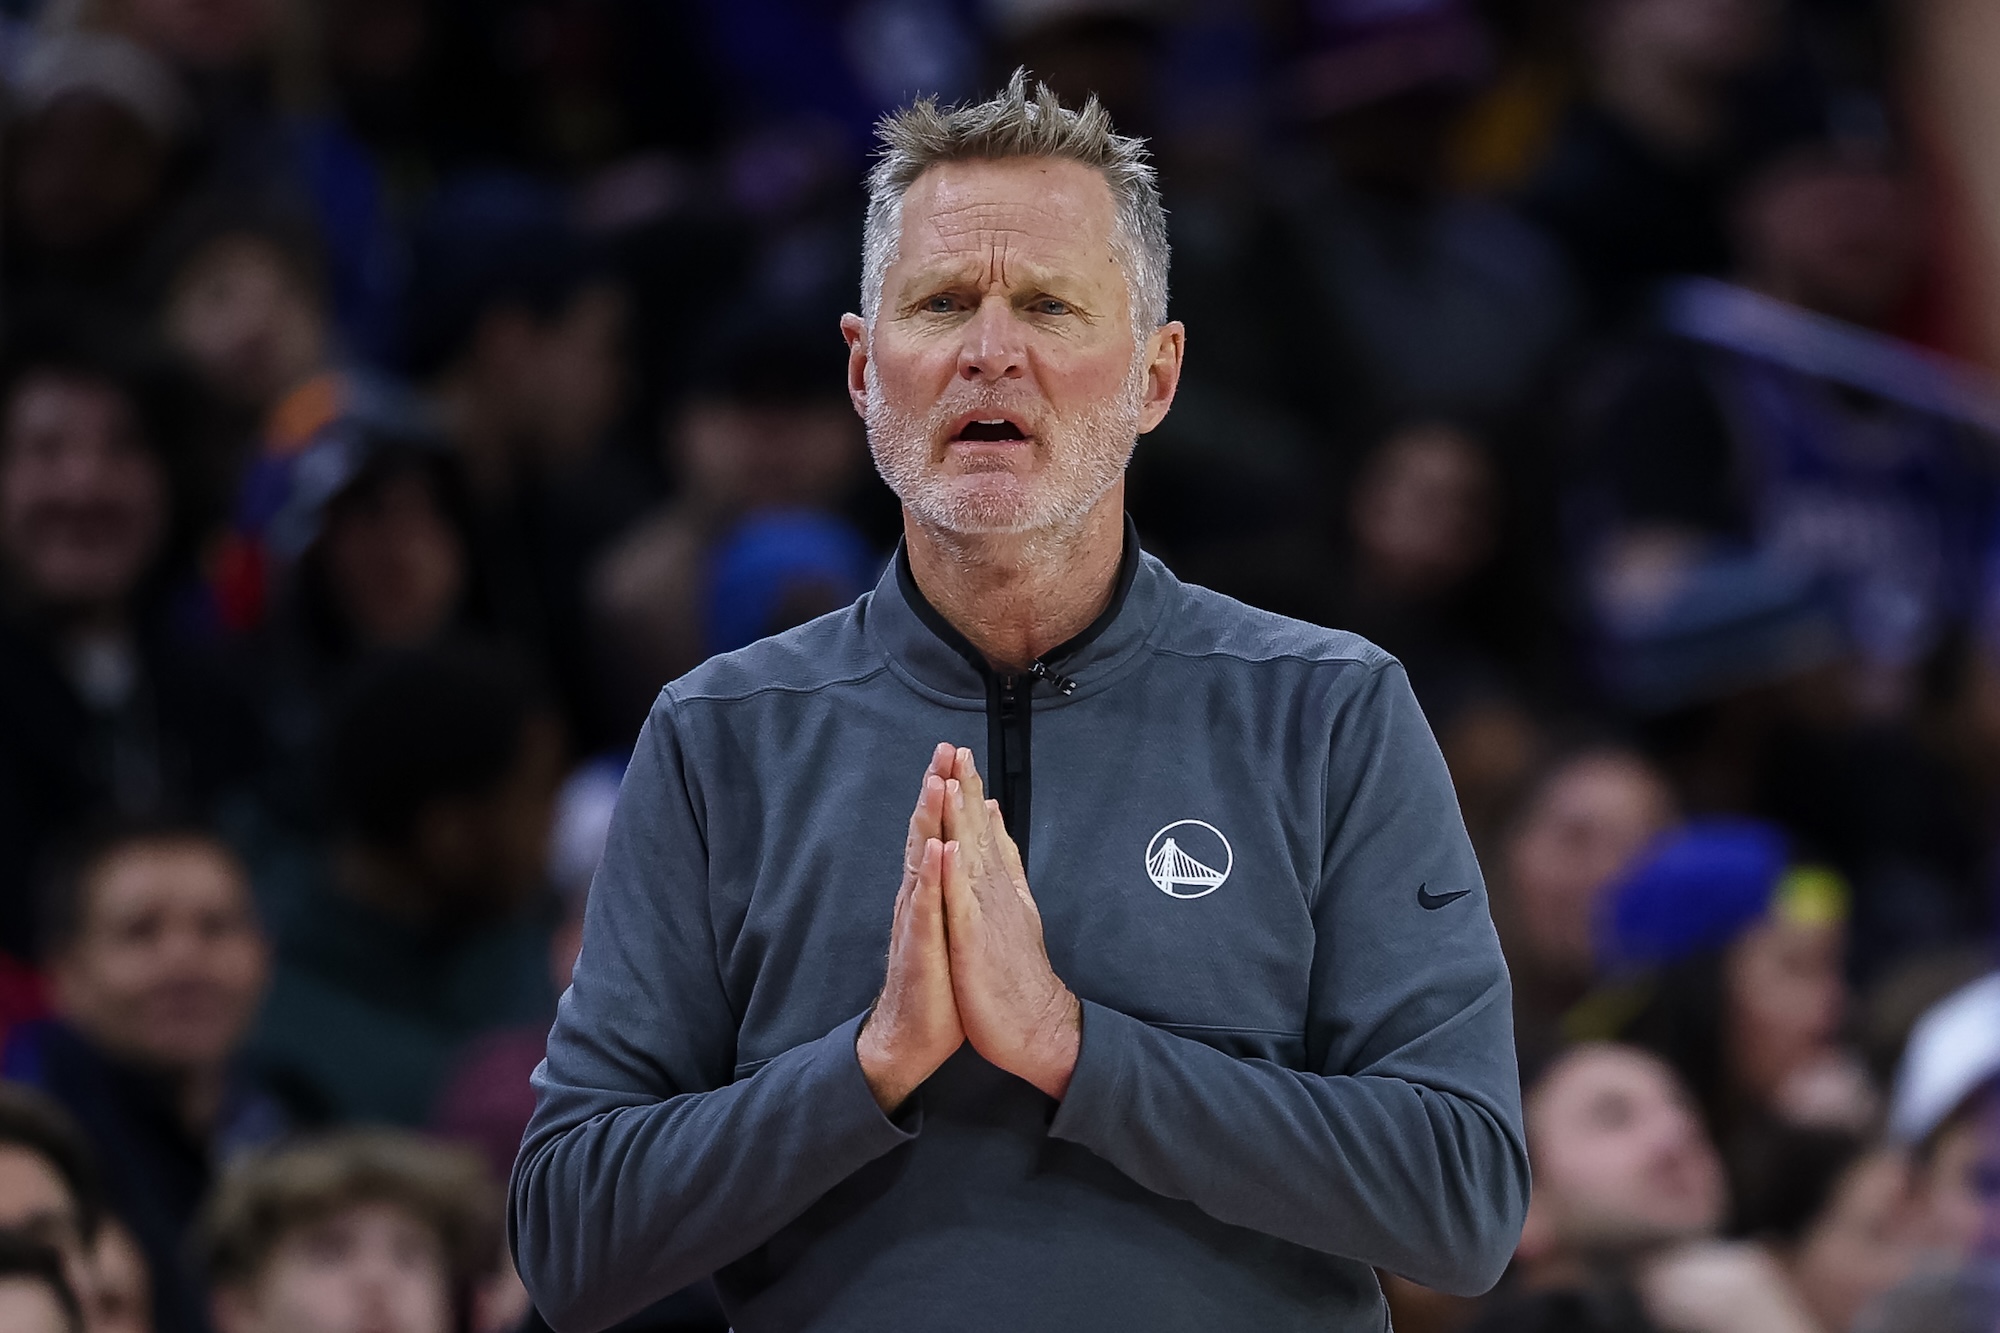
<point x="398" y="392"/>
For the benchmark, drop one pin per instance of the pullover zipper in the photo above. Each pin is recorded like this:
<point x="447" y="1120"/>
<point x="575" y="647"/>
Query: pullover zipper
<point x="1010" y="698"/>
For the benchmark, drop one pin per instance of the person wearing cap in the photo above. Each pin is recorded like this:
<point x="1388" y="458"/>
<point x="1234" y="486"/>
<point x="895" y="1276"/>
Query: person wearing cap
<point x="1173" y="1004"/>
<point x="94" y="144"/>
<point x="1946" y="1110"/>
<point x="1723" y="952"/>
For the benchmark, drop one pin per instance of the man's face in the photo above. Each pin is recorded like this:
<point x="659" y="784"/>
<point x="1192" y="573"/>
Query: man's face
<point x="169" y="963"/>
<point x="83" y="503"/>
<point x="1621" y="1161"/>
<point x="247" y="322"/>
<point x="1959" y="1183"/>
<point x="1001" y="382"/>
<point x="370" y="1268"/>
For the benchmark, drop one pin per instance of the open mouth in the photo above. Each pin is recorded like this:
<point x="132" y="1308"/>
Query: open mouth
<point x="988" y="430"/>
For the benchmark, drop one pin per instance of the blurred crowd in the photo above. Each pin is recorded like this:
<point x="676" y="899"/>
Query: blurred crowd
<point x="396" y="393"/>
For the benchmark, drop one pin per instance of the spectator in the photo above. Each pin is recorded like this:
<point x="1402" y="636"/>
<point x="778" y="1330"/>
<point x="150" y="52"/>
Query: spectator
<point x="91" y="165"/>
<point x="101" y="710"/>
<point x="1629" y="1196"/>
<point x="35" y="1297"/>
<point x="1737" y="954"/>
<point x="362" y="1230"/>
<point x="1444" y="305"/>
<point x="158" y="964"/>
<point x="1580" y="824"/>
<point x="517" y="329"/>
<point x="1836" y="1213"/>
<point x="246" y="306"/>
<point x="389" y="562"/>
<point x="430" y="924"/>
<point x="765" y="429"/>
<point x="49" y="1184"/>
<point x="1946" y="1107"/>
<point x="1636" y="184"/>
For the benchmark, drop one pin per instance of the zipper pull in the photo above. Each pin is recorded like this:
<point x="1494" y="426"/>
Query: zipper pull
<point x="1039" y="670"/>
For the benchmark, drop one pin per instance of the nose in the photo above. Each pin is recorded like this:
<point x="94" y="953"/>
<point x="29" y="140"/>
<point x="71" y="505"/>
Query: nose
<point x="993" y="348"/>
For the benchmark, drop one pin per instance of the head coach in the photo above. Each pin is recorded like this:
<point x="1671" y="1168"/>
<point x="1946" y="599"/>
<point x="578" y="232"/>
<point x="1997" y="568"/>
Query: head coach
<point x="1193" y="1011"/>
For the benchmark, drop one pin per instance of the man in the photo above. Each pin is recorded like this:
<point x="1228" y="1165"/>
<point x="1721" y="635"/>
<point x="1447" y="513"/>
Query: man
<point x="428" y="925"/>
<point x="366" y="1230"/>
<point x="100" y="712"/>
<point x="1629" y="1194"/>
<point x="1196" y="1019"/>
<point x="157" y="964"/>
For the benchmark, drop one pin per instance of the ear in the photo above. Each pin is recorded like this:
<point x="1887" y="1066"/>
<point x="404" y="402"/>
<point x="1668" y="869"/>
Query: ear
<point x="855" y="330"/>
<point x="1164" y="350"/>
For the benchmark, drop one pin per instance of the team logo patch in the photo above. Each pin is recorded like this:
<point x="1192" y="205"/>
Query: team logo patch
<point x="1189" y="859"/>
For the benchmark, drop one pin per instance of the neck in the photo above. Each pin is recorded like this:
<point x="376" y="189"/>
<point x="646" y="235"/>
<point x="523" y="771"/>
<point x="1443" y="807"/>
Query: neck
<point x="1016" y="596"/>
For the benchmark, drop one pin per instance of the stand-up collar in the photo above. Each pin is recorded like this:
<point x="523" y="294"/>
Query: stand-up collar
<point x="930" y="653"/>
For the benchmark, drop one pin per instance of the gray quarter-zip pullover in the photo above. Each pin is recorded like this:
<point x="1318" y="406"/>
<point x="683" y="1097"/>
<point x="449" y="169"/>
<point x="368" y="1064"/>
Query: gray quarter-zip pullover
<point x="1297" y="1057"/>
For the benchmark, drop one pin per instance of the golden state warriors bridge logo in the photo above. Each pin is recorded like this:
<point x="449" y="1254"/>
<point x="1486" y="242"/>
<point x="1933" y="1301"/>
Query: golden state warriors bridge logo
<point x="1189" y="859"/>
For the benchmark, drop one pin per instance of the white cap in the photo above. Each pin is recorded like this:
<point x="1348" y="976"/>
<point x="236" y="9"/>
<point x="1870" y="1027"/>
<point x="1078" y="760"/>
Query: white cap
<point x="105" y="65"/>
<point x="1953" y="1049"/>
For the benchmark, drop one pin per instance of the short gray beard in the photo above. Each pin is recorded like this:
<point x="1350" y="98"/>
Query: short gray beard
<point x="1085" y="457"/>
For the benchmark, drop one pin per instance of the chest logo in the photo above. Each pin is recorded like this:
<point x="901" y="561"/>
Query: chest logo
<point x="1189" y="859"/>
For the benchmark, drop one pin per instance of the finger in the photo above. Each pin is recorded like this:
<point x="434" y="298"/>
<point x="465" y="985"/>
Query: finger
<point x="925" y="823"/>
<point x="961" y="906"/>
<point x="942" y="759"/>
<point x="972" y="802"/>
<point x="927" y="898"/>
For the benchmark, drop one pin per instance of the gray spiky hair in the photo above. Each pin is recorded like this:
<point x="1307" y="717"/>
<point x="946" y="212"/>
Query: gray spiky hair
<point x="1020" y="123"/>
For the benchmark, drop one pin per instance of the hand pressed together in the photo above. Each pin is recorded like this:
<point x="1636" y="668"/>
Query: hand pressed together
<point x="967" y="959"/>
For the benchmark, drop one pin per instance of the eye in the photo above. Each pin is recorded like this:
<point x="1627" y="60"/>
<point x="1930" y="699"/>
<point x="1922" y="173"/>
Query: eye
<point x="1049" y="305"/>
<point x="941" y="304"/>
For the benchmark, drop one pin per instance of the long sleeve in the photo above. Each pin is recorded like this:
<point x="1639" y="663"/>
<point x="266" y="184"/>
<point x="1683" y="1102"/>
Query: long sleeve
<point x="645" y="1167"/>
<point x="1400" y="1145"/>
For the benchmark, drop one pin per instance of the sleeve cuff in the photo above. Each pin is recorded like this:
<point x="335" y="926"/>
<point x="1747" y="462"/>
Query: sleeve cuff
<point x="1095" y="1101"/>
<point x="852" y="1103"/>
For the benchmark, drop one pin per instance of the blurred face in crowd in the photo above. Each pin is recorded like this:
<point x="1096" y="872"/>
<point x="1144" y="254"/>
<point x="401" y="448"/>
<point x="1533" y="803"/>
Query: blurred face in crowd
<point x="1861" y="1244"/>
<point x="561" y="380"/>
<point x="1424" y="512"/>
<point x="745" y="456"/>
<point x="393" y="561"/>
<point x="169" y="963"/>
<point x="369" y="1268"/>
<point x="1622" y="1164"/>
<point x="1839" y="237"/>
<point x="1787" y="997"/>
<point x="83" y="500"/>
<point x="247" y="320"/>
<point x="30" y="1306"/>
<point x="203" y="34"/>
<point x="1000" y="379"/>
<point x="86" y="170"/>
<point x="35" y="1201"/>
<point x="1588" y="821"/>
<point x="1958" y="1180"/>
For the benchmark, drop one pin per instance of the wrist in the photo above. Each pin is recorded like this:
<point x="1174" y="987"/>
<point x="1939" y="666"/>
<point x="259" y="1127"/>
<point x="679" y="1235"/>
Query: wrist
<point x="1057" y="1044"/>
<point x="891" y="1078"/>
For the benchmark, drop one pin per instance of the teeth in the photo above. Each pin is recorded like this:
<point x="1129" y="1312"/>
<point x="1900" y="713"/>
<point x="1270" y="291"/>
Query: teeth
<point x="993" y="421"/>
